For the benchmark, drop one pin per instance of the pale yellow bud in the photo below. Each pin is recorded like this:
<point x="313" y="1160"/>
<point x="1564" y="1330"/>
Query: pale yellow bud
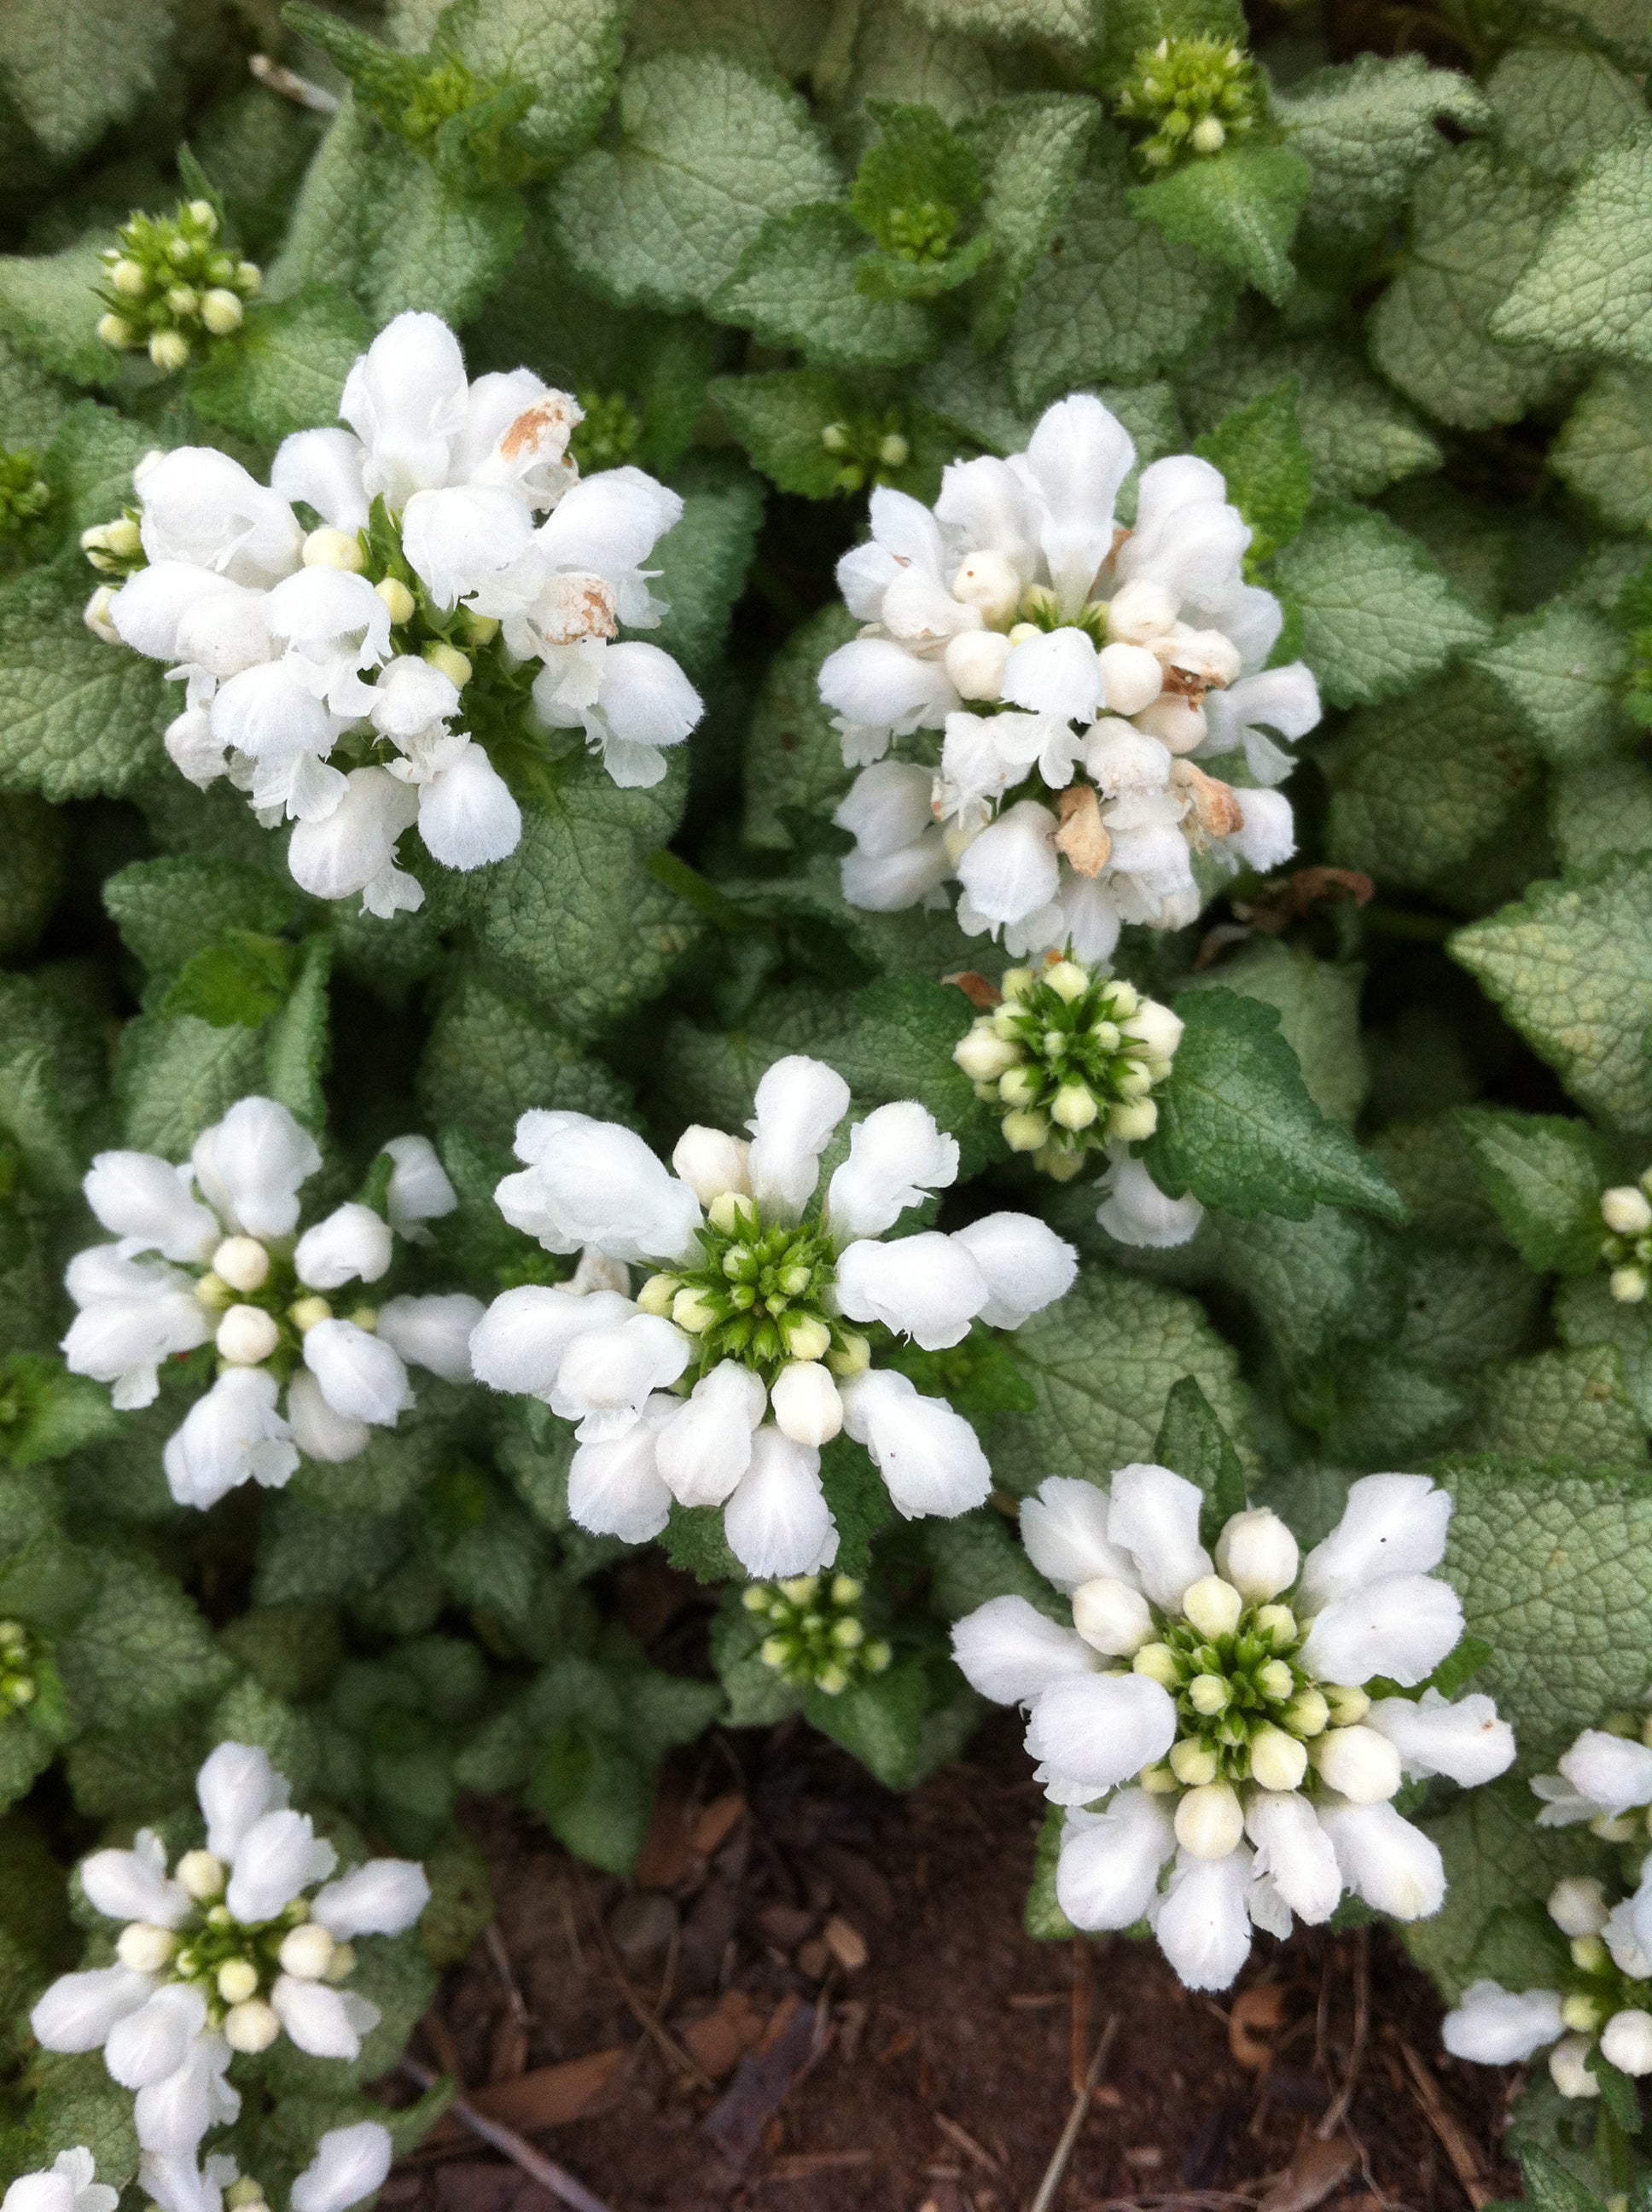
<point x="399" y="603"/>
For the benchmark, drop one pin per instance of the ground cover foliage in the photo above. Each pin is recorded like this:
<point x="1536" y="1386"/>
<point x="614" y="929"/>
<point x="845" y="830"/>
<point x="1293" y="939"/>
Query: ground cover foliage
<point x="787" y="260"/>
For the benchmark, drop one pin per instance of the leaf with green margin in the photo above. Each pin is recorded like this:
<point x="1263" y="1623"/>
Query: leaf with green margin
<point x="168" y="910"/>
<point x="796" y="284"/>
<point x="568" y="49"/>
<point x="1476" y="220"/>
<point x="1597" y="809"/>
<point x="1563" y="670"/>
<point x="759" y="1695"/>
<point x="1238" y="1128"/>
<point x="1113" y="300"/>
<point x="90" y="466"/>
<point x="1587" y="288"/>
<point x="1365" y="127"/>
<point x="49" y="310"/>
<point x="1371" y="1408"/>
<point x="1556" y="108"/>
<point x="490" y="1055"/>
<point x="297" y="1043"/>
<point x="1241" y="208"/>
<point x="238" y="980"/>
<point x="1311" y="1283"/>
<point x="1270" y="479"/>
<point x="1422" y="783"/>
<point x="1571" y="968"/>
<point x="1604" y="451"/>
<point x="140" y="1651"/>
<point x="1572" y="1407"/>
<point x="1554" y="1567"/>
<point x="51" y="1072"/>
<point x="1430" y="1163"/>
<point x="860" y="1504"/>
<point x="1071" y="24"/>
<point x="1466" y="1303"/>
<point x="173" y="1079"/>
<point x="1042" y="1918"/>
<point x="709" y="149"/>
<point x="793" y="755"/>
<point x="46" y="1413"/>
<point x="1544" y="1175"/>
<point x="903" y="1723"/>
<point x="1031" y="149"/>
<point x="701" y="562"/>
<point x="976" y="1558"/>
<point x="1586" y="1313"/>
<point x="574" y="917"/>
<point x="78" y="719"/>
<point x="74" y="71"/>
<point x="915" y="162"/>
<point x="286" y="367"/>
<point x="74" y="2100"/>
<point x="1102" y="1361"/>
<point x="1318" y="1005"/>
<point x="374" y="219"/>
<point x="33" y="404"/>
<point x="1192" y="1443"/>
<point x="1377" y="614"/>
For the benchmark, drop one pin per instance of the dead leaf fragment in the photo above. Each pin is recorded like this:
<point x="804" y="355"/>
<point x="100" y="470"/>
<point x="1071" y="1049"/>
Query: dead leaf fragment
<point x="549" y="2097"/>
<point x="719" y="2039"/>
<point x="982" y="995"/>
<point x="1314" y="2172"/>
<point x="1257" y="2013"/>
<point x="846" y="1943"/>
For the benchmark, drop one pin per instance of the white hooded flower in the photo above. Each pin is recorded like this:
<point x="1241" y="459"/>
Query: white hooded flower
<point x="749" y="1313"/>
<point x="1494" y="2026"/>
<point x="1021" y="595"/>
<point x="167" y="2032"/>
<point x="68" y="2185"/>
<point x="1228" y="1742"/>
<point x="1135" y="1211"/>
<point x="350" y="2164"/>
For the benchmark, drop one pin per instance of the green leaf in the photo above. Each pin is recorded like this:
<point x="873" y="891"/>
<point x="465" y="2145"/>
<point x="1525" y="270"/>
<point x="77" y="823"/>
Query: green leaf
<point x="709" y="149"/>
<point x="1603" y="452"/>
<point x="1270" y="479"/>
<point x="1103" y="1362"/>
<point x="1312" y="1283"/>
<point x="1573" y="1406"/>
<point x="1113" y="300"/>
<point x="91" y="464"/>
<point x="242" y="978"/>
<point x="168" y="911"/>
<point x="1043" y="1918"/>
<point x="1241" y="207"/>
<point x="976" y="1558"/>
<point x="1377" y="614"/>
<point x="1318" y="1005"/>
<point x="574" y="917"/>
<point x="1430" y="1163"/>
<point x="1550" y="2188"/>
<point x="1072" y="23"/>
<point x="285" y="369"/>
<point x="49" y="310"/>
<point x="566" y="51"/>
<point x="1563" y="670"/>
<point x="140" y="1651"/>
<point x="793" y="756"/>
<point x="1586" y="1313"/>
<point x="298" y="1043"/>
<point x="1030" y="150"/>
<point x="702" y="560"/>
<point x="1192" y="1442"/>
<point x="1476" y="220"/>
<point x="1545" y="1175"/>
<point x="757" y="1694"/>
<point x="1365" y="127"/>
<point x="1360" y="436"/>
<point x="51" y="1071"/>
<point x="78" y="719"/>
<point x="776" y="35"/>
<point x="1600" y="808"/>
<point x="1238" y="1128"/>
<point x="173" y="1079"/>
<point x="1371" y="1407"/>
<point x="1556" y="108"/>
<point x="1571" y="968"/>
<point x="33" y="404"/>
<point x="374" y="219"/>
<point x="74" y="71"/>
<point x="901" y="1724"/>
<point x="796" y="285"/>
<point x="1588" y="288"/>
<point x="74" y="2101"/>
<point x="45" y="1412"/>
<point x="916" y="166"/>
<point x="491" y="1055"/>
<point x="1421" y="784"/>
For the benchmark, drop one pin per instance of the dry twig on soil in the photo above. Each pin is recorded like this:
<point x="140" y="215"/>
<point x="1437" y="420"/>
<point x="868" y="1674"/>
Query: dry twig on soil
<point x="1063" y="2151"/>
<point x="560" y="2183"/>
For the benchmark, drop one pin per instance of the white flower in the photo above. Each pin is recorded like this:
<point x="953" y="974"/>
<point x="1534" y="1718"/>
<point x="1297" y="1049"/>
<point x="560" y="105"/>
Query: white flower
<point x="1228" y="1744"/>
<point x="350" y="2164"/>
<point x="1135" y="1211"/>
<point x="239" y="1279"/>
<point x="1089" y="656"/>
<point x="353" y="847"/>
<point x="167" y="2032"/>
<point x="1494" y="2026"/>
<point x="748" y="1314"/>
<point x="66" y="2185"/>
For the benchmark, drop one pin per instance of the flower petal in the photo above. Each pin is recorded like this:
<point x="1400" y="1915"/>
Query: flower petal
<point x="1203" y="1920"/>
<point x="798" y="1105"/>
<point x="1102" y="1730"/>
<point x="928" y="1455"/>
<point x="1391" y="1524"/>
<point x="705" y="1446"/>
<point x="250" y="1166"/>
<point x="1010" y="1652"/>
<point x="236" y="1786"/>
<point x="383" y="1898"/>
<point x="1494" y="2026"/>
<point x="1401" y="1626"/>
<point x="927" y="1287"/>
<point x="1154" y="1516"/>
<point x="778" y="1522"/>
<point x="1027" y="1266"/>
<point x="1107" y="1874"/>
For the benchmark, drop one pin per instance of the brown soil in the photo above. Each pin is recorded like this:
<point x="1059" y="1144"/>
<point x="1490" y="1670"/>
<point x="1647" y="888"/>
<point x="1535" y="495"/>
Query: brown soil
<point x="847" y="1973"/>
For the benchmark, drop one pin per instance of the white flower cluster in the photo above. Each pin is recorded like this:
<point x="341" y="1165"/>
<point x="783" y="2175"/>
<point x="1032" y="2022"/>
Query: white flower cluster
<point x="350" y="2165"/>
<point x="207" y="1253"/>
<point x="1626" y="1210"/>
<point x="68" y="2185"/>
<point x="326" y="668"/>
<point x="1606" y="2006"/>
<point x="244" y="1939"/>
<point x="758" y="1282"/>
<point x="1079" y="669"/>
<point x="1212" y="1715"/>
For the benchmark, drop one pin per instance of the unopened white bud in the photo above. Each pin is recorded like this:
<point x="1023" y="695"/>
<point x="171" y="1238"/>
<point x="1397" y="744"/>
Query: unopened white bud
<point x="1025" y="1132"/>
<point x="1210" y="1820"/>
<point x="307" y="1952"/>
<point x="1627" y="2041"/>
<point x="242" y="1262"/>
<point x="222" y="311"/>
<point x="204" y="217"/>
<point x="1158" y="1662"/>
<point x="1626" y="1210"/>
<point x="1177" y="724"/>
<point x="1277" y="1761"/>
<point x="1578" y="1906"/>
<point x="1140" y="610"/>
<point x="1111" y="1617"/>
<point x="114" y="331"/>
<point x="1213" y="1605"/>
<point x="96" y="615"/>
<point x="145" y="1948"/>
<point x="1132" y="1120"/>
<point x="1627" y="1286"/>
<point x="984" y="1055"/>
<point x="1567" y="2070"/>
<point x="975" y="660"/>
<point x="1208" y="135"/>
<point x="805" y="1399"/>
<point x="128" y="278"/>
<point x="399" y="603"/>
<point x="989" y="580"/>
<point x="1209" y="1695"/>
<point x="447" y="660"/>
<point x="334" y="549"/>
<point x="344" y="1964"/>
<point x="305" y="1314"/>
<point x="691" y="1313"/>
<point x="1583" y="2014"/>
<point x="1015" y="984"/>
<point x="656" y="1295"/>
<point x="1074" y="1106"/>
<point x="711" y="1162"/>
<point x="1067" y="980"/>
<point x="201" y="1875"/>
<point x="169" y="351"/>
<point x="238" y="1980"/>
<point x="247" y="1335"/>
<point x="1192" y="1762"/>
<point x="1155" y="1027"/>
<point x="1362" y="1765"/>
<point x="850" y="1355"/>
<point x="1132" y="677"/>
<point x="1257" y="1553"/>
<point x="251" y="2027"/>
<point x="1307" y="1714"/>
<point x="1348" y="1703"/>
